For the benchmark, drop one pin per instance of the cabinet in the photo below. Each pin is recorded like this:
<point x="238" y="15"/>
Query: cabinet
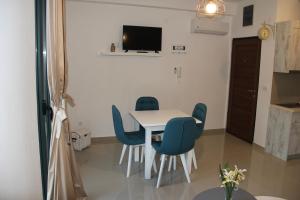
<point x="283" y="133"/>
<point x="294" y="148"/>
<point x="287" y="46"/>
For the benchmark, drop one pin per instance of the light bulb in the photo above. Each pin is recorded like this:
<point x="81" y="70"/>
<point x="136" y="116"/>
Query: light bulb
<point x="211" y="8"/>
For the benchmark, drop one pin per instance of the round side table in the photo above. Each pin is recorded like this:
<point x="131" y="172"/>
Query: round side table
<point x="268" y="198"/>
<point x="219" y="194"/>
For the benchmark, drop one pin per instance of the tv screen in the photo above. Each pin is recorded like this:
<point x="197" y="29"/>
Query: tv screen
<point x="142" y="38"/>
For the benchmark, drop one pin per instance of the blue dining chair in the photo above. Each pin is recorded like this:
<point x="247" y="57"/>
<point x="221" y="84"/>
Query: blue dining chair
<point x="146" y="103"/>
<point x="179" y="138"/>
<point x="199" y="113"/>
<point x="143" y="104"/>
<point x="131" y="139"/>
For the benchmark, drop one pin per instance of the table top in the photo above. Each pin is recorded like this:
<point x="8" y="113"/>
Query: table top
<point x="268" y="198"/>
<point x="157" y="117"/>
<point x="219" y="194"/>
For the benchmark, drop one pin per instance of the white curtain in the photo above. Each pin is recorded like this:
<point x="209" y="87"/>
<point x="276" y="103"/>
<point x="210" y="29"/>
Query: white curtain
<point x="64" y="180"/>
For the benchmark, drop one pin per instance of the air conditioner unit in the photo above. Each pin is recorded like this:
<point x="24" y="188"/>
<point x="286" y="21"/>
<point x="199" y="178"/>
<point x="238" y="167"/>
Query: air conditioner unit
<point x="209" y="26"/>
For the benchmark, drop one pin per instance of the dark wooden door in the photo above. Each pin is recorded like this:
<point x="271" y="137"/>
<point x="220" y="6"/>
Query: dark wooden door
<point x="244" y="77"/>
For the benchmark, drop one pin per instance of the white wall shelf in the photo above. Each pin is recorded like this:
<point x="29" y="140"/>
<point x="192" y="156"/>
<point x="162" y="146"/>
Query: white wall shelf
<point x="129" y="54"/>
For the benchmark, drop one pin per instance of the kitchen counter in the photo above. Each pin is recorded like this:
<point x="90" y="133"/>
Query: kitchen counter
<point x="283" y="133"/>
<point x="285" y="108"/>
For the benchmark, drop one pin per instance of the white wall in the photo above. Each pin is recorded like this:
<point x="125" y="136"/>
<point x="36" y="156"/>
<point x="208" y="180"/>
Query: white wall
<point x="97" y="82"/>
<point x="263" y="11"/>
<point x="19" y="151"/>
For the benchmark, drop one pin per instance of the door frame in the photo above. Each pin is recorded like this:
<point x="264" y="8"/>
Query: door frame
<point x="231" y="85"/>
<point x="42" y="91"/>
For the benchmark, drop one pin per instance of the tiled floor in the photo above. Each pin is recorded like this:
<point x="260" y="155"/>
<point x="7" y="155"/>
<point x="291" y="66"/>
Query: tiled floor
<point x="267" y="175"/>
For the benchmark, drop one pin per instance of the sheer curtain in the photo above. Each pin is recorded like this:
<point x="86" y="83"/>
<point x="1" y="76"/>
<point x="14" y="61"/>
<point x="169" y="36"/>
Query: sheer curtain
<point x="64" y="180"/>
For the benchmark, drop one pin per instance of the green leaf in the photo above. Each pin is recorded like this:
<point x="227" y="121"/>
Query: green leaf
<point x="221" y="172"/>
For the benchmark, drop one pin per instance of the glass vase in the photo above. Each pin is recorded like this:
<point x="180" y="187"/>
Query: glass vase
<point x="228" y="193"/>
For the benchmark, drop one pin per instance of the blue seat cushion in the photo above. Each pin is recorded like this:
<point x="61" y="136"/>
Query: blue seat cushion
<point x="199" y="130"/>
<point x="179" y="137"/>
<point x="135" y="138"/>
<point x="156" y="145"/>
<point x="199" y="112"/>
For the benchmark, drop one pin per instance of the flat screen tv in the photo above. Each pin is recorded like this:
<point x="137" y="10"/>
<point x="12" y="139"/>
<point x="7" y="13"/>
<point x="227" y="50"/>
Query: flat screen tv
<point x="141" y="38"/>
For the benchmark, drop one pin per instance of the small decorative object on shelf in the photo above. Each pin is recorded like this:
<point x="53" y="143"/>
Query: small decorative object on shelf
<point x="231" y="179"/>
<point x="112" y="47"/>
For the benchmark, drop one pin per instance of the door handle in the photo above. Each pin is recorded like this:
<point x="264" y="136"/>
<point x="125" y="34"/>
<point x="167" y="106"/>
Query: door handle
<point x="252" y="91"/>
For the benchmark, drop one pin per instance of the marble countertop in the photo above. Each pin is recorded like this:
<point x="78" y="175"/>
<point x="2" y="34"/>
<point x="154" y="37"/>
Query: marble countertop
<point x="285" y="108"/>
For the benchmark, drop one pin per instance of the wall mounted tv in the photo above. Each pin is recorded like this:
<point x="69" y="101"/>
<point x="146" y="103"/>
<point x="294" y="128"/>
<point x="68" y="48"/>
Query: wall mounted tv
<point x="141" y="38"/>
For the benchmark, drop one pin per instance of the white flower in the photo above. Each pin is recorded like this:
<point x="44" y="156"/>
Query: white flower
<point x="233" y="177"/>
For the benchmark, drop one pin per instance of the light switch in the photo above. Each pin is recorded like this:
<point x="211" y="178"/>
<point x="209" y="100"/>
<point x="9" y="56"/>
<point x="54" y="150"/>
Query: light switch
<point x="177" y="71"/>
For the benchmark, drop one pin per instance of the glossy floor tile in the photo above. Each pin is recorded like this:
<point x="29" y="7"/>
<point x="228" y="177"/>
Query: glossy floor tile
<point x="267" y="175"/>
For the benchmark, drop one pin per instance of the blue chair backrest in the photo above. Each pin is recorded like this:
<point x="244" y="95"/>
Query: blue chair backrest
<point x="146" y="103"/>
<point x="179" y="136"/>
<point x="118" y="125"/>
<point x="200" y="113"/>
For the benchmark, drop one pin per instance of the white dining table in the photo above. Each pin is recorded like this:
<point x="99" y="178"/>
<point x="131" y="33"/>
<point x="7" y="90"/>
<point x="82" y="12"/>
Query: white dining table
<point x="154" y="120"/>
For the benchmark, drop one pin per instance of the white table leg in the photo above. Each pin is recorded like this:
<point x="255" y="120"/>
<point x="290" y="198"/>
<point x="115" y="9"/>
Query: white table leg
<point x="136" y="153"/>
<point x="148" y="153"/>
<point x="136" y="126"/>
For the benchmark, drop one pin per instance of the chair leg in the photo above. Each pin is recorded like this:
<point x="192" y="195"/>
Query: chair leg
<point x="142" y="154"/>
<point x="136" y="153"/>
<point x="122" y="154"/>
<point x="129" y="161"/>
<point x="174" y="163"/>
<point x="170" y="163"/>
<point x="153" y="160"/>
<point x="183" y="160"/>
<point x="189" y="160"/>
<point x="161" y="170"/>
<point x="194" y="159"/>
<point x="154" y="166"/>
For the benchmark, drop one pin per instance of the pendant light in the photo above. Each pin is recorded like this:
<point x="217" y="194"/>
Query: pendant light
<point x="210" y="8"/>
